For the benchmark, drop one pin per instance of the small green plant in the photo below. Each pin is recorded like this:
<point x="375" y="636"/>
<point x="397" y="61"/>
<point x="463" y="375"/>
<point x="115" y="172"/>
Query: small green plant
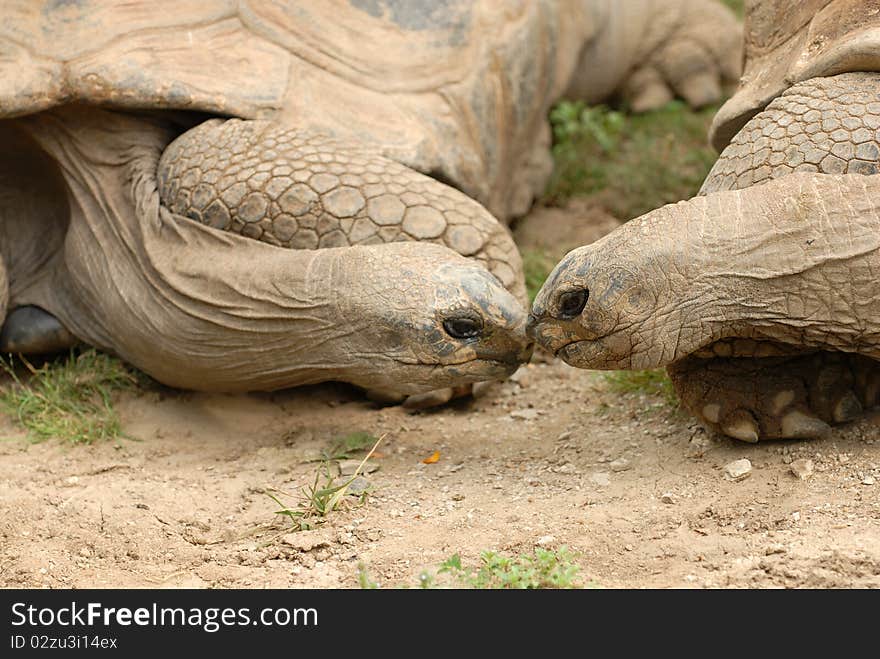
<point x="322" y="496"/>
<point x="636" y="162"/>
<point x="583" y="139"/>
<point x="543" y="568"/>
<point x="69" y="399"/>
<point x="652" y="383"/>
<point x="364" y="580"/>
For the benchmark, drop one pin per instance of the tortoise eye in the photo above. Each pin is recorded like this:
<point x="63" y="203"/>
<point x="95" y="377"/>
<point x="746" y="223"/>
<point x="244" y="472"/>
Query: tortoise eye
<point x="571" y="303"/>
<point x="463" y="327"/>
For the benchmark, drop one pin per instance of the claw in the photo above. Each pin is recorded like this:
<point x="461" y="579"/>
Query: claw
<point x="741" y="425"/>
<point x="430" y="399"/>
<point x="782" y="400"/>
<point x="847" y="408"/>
<point x="797" y="425"/>
<point x="712" y="412"/>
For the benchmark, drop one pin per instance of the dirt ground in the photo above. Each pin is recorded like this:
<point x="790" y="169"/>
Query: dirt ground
<point x="553" y="457"/>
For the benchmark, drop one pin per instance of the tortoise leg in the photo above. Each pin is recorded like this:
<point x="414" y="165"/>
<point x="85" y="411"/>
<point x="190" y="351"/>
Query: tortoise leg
<point x="29" y="330"/>
<point x="302" y="190"/>
<point x="797" y="397"/>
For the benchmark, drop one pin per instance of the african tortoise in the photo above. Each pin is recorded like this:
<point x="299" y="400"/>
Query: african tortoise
<point x="761" y="296"/>
<point x="354" y="133"/>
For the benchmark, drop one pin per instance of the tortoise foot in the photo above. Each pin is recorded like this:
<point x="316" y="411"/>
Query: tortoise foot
<point x="797" y="397"/>
<point x="29" y="330"/>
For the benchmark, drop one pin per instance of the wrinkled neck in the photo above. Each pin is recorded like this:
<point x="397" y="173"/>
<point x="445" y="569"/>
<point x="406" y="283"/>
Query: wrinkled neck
<point x="192" y="306"/>
<point x="793" y="260"/>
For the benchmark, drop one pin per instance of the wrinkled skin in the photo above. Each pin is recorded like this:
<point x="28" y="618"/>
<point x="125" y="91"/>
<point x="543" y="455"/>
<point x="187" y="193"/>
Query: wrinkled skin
<point x="763" y="301"/>
<point x="291" y="245"/>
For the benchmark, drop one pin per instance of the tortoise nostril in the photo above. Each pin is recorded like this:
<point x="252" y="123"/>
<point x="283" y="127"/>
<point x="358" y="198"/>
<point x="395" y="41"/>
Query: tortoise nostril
<point x="572" y="303"/>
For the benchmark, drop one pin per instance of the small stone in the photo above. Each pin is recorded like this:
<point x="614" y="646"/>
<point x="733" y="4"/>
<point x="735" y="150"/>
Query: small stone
<point x="601" y="478"/>
<point x="628" y="547"/>
<point x="358" y="486"/>
<point x="308" y="540"/>
<point x="802" y="468"/>
<point x="72" y="480"/>
<point x="621" y="464"/>
<point x="738" y="470"/>
<point x="545" y="540"/>
<point x="774" y="549"/>
<point x="349" y="467"/>
<point x="667" y="497"/>
<point x="567" y="468"/>
<point x="526" y="415"/>
<point x="868" y="480"/>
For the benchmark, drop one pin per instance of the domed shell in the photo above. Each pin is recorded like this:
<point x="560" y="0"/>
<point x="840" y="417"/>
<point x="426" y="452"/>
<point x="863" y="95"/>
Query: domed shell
<point x="789" y="42"/>
<point x="225" y="56"/>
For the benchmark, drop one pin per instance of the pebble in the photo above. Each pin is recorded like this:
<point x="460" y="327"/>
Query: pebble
<point x="621" y="464"/>
<point x="802" y="468"/>
<point x="667" y="497"/>
<point x="525" y="415"/>
<point x="601" y="478"/>
<point x="545" y="540"/>
<point x="358" y="486"/>
<point x="868" y="480"/>
<point x="738" y="470"/>
<point x="348" y="467"/>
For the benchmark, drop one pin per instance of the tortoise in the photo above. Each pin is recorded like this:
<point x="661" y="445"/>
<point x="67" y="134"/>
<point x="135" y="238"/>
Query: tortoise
<point x="760" y="295"/>
<point x="249" y="195"/>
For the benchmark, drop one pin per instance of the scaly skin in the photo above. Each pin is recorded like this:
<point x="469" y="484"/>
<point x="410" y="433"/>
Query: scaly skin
<point x="204" y="309"/>
<point x="306" y="191"/>
<point x="827" y="125"/>
<point x="792" y="261"/>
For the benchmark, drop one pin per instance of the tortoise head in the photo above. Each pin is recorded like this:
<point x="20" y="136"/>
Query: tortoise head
<point x="428" y="318"/>
<point x="598" y="308"/>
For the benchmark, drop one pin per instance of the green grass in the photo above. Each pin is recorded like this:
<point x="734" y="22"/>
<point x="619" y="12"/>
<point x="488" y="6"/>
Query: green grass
<point x="537" y="266"/>
<point x="543" y="568"/>
<point x="69" y="399"/>
<point x="635" y="162"/>
<point x="651" y="383"/>
<point x="318" y="500"/>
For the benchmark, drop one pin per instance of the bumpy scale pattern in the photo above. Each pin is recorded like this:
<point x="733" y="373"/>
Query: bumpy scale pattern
<point x="299" y="190"/>
<point x="828" y="125"/>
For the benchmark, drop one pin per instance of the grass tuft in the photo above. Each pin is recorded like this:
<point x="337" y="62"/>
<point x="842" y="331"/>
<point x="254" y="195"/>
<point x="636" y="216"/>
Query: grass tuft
<point x="68" y="399"/>
<point x="651" y="383"/>
<point x="318" y="500"/>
